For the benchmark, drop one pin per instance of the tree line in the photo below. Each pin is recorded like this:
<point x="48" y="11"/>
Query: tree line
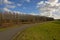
<point x="15" y="18"/>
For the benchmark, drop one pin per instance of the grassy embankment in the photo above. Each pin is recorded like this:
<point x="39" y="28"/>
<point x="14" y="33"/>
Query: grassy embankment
<point x="44" y="31"/>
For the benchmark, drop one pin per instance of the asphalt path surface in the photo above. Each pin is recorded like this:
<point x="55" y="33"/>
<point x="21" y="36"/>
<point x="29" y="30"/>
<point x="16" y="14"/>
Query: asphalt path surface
<point x="10" y="32"/>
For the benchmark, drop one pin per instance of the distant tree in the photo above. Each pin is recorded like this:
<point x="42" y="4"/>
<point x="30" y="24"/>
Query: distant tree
<point x="0" y="19"/>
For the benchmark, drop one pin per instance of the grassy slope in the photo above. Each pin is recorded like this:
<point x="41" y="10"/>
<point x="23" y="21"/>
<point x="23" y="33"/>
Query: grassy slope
<point x="45" y="31"/>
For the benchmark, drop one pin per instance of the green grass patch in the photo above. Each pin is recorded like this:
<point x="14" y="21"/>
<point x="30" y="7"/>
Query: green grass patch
<point x="8" y="27"/>
<point x="57" y="22"/>
<point x="2" y="29"/>
<point x="44" y="31"/>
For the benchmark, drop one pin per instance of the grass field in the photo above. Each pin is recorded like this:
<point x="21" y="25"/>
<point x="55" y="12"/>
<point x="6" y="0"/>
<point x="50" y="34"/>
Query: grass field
<point x="44" y="31"/>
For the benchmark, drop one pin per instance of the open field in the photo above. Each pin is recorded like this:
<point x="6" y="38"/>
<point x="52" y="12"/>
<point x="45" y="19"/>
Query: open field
<point x="44" y="31"/>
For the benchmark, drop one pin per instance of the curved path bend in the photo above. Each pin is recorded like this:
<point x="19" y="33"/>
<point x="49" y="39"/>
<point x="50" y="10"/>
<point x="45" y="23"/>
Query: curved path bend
<point x="10" y="32"/>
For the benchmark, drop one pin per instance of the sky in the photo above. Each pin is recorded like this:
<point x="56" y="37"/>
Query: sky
<point x="50" y="8"/>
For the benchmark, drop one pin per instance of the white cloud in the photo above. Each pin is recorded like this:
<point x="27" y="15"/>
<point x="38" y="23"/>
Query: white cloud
<point x="7" y="5"/>
<point x="56" y="16"/>
<point x="50" y="8"/>
<point x="16" y="11"/>
<point x="6" y="9"/>
<point x="7" y="2"/>
<point x="19" y="4"/>
<point x="40" y="2"/>
<point x="10" y="6"/>
<point x="53" y="1"/>
<point x="33" y="13"/>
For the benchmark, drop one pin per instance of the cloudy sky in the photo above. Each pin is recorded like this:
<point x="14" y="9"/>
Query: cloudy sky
<point x="50" y="8"/>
